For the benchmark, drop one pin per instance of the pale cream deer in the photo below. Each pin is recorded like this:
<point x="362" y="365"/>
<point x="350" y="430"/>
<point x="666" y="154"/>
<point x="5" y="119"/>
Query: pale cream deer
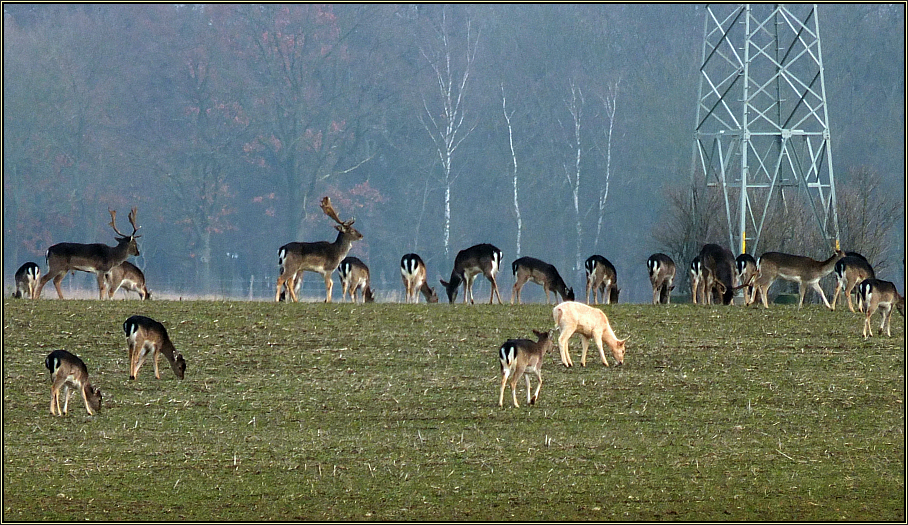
<point x="518" y="356"/>
<point x="69" y="373"/>
<point x="145" y="335"/>
<point x="127" y="276"/>
<point x="876" y="294"/>
<point x="528" y="269"/>
<point x="321" y="257"/>
<point x="354" y="275"/>
<point x="796" y="268"/>
<point x="27" y="277"/>
<point x="591" y="323"/>
<point x="482" y="259"/>
<point x="661" y="269"/>
<point x="601" y="280"/>
<point x="413" y="274"/>
<point x="68" y="257"/>
<point x="850" y="271"/>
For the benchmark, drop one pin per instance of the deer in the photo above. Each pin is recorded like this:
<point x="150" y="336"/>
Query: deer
<point x="721" y="265"/>
<point x="354" y="275"/>
<point x="796" y="268"/>
<point x="601" y="279"/>
<point x="746" y="273"/>
<point x="413" y="274"/>
<point x="96" y="258"/>
<point x="523" y="355"/>
<point x="69" y="372"/>
<point x="573" y="317"/>
<point x="877" y="294"/>
<point x="27" y="277"/>
<point x="479" y="259"/>
<point x="661" y="269"/>
<point x="145" y="335"/>
<point x="530" y="269"/>
<point x="127" y="276"/>
<point x="850" y="271"/>
<point x="695" y="273"/>
<point x="321" y="257"/>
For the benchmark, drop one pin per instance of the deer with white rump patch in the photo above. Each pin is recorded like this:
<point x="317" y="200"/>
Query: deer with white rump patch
<point x="69" y="373"/>
<point x="413" y="274"/>
<point x="746" y="272"/>
<point x="540" y="272"/>
<point x="661" y="269"/>
<point x="802" y="270"/>
<point x="145" y="335"/>
<point x="850" y="271"/>
<point x="601" y="279"/>
<point x="876" y="294"/>
<point x="523" y="355"/>
<point x="27" y="277"/>
<point x="354" y="275"/>
<point x="573" y="317"/>
<point x="479" y="259"/>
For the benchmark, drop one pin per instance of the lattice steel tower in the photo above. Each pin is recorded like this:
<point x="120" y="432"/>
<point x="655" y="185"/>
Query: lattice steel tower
<point x="762" y="123"/>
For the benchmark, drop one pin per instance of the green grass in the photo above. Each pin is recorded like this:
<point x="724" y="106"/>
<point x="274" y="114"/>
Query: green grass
<point x="390" y="412"/>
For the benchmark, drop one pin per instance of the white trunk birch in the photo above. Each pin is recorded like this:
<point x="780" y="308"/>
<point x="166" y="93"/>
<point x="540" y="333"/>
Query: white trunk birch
<point x="507" y="118"/>
<point x="609" y="101"/>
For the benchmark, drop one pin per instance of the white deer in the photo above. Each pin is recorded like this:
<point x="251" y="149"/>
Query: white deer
<point x="591" y="323"/>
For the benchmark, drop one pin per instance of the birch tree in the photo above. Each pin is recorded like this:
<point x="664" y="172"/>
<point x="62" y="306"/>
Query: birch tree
<point x="507" y="118"/>
<point x="609" y="101"/>
<point x="446" y="127"/>
<point x="572" y="173"/>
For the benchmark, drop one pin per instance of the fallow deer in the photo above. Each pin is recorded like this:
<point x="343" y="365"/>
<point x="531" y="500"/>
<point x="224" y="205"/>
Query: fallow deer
<point x="661" y="269"/>
<point x="479" y="259"/>
<point x="573" y="317"/>
<point x="145" y="335"/>
<point x="721" y="265"/>
<point x="354" y="275"/>
<point x="321" y="257"/>
<point x="876" y="294"/>
<point x="530" y="269"/>
<point x="746" y="273"/>
<point x="413" y="274"/>
<point x="127" y="276"/>
<point x="27" y="277"/>
<point x="69" y="373"/>
<point x="68" y="257"/>
<point x="601" y="279"/>
<point x="523" y="355"/>
<point x="850" y="271"/>
<point x="695" y="274"/>
<point x="802" y="270"/>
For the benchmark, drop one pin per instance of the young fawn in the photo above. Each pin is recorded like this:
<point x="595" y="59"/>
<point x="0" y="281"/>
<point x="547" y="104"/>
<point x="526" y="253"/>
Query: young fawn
<point x="521" y="355"/>
<point x="69" y="372"/>
<point x="146" y="335"/>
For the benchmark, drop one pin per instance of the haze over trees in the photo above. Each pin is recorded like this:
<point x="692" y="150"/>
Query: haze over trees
<point x="436" y="126"/>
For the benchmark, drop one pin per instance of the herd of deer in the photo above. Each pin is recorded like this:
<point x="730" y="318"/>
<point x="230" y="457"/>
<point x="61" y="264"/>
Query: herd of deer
<point x="712" y="276"/>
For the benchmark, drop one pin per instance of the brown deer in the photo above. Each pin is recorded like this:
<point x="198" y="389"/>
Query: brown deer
<point x="27" y="277"/>
<point x="321" y="257"/>
<point x="746" y="273"/>
<point x="661" y="269"/>
<point x="591" y="323"/>
<point x="721" y="265"/>
<point x="98" y="259"/>
<point x="413" y="274"/>
<point x="479" y="259"/>
<point x="530" y="269"/>
<point x="69" y="373"/>
<point x="127" y="276"/>
<point x="354" y="275"/>
<point x="601" y="279"/>
<point x="145" y="335"/>
<point x="523" y="355"/>
<point x="877" y="294"/>
<point x="850" y="271"/>
<point x="802" y="270"/>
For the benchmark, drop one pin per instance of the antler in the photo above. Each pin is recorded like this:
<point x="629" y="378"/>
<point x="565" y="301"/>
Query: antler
<point x="330" y="212"/>
<point x="132" y="220"/>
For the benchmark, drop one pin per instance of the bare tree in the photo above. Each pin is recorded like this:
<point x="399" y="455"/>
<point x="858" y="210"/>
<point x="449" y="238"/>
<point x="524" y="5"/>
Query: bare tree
<point x="609" y="101"/>
<point x="867" y="216"/>
<point x="572" y="173"/>
<point x="446" y="128"/>
<point x="507" y="118"/>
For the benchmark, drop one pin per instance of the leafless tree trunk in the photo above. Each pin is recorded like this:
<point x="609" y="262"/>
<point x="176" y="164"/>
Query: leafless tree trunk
<point x="575" y="107"/>
<point x="609" y="101"/>
<point x="507" y="118"/>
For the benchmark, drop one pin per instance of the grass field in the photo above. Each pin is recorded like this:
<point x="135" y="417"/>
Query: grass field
<point x="317" y="411"/>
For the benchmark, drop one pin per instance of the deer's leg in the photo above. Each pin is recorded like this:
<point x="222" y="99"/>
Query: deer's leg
<point x="157" y="357"/>
<point x="57" y="280"/>
<point x="563" y="341"/>
<point x="495" y="290"/>
<point x="538" y="384"/>
<point x="530" y="398"/>
<point x="67" y="393"/>
<point x="585" y="342"/>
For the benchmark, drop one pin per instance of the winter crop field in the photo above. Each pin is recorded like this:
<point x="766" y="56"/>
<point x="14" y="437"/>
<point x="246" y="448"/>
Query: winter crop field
<point x="316" y="411"/>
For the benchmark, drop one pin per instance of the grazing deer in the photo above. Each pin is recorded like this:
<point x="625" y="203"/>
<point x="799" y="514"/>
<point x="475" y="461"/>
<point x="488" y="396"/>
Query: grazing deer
<point x="802" y="270"/>
<point x="850" y="271"/>
<point x="523" y="355"/>
<point x="27" y="277"/>
<point x="354" y="275"/>
<point x="573" y="317"/>
<point x="479" y="259"/>
<point x="68" y="257"/>
<point x="540" y="272"/>
<point x="721" y="265"/>
<point x="144" y="335"/>
<point x="874" y="294"/>
<point x="746" y="273"/>
<point x="321" y="257"/>
<point x="695" y="272"/>
<point x="127" y="276"/>
<point x="413" y="274"/>
<point x="601" y="279"/>
<point x="661" y="269"/>
<point x="69" y="372"/>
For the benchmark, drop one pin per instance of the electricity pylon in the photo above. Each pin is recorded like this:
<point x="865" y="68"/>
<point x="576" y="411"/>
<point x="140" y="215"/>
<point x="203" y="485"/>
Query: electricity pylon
<point x="762" y="123"/>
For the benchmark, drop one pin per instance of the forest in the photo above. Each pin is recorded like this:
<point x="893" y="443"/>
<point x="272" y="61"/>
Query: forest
<point x="549" y="130"/>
